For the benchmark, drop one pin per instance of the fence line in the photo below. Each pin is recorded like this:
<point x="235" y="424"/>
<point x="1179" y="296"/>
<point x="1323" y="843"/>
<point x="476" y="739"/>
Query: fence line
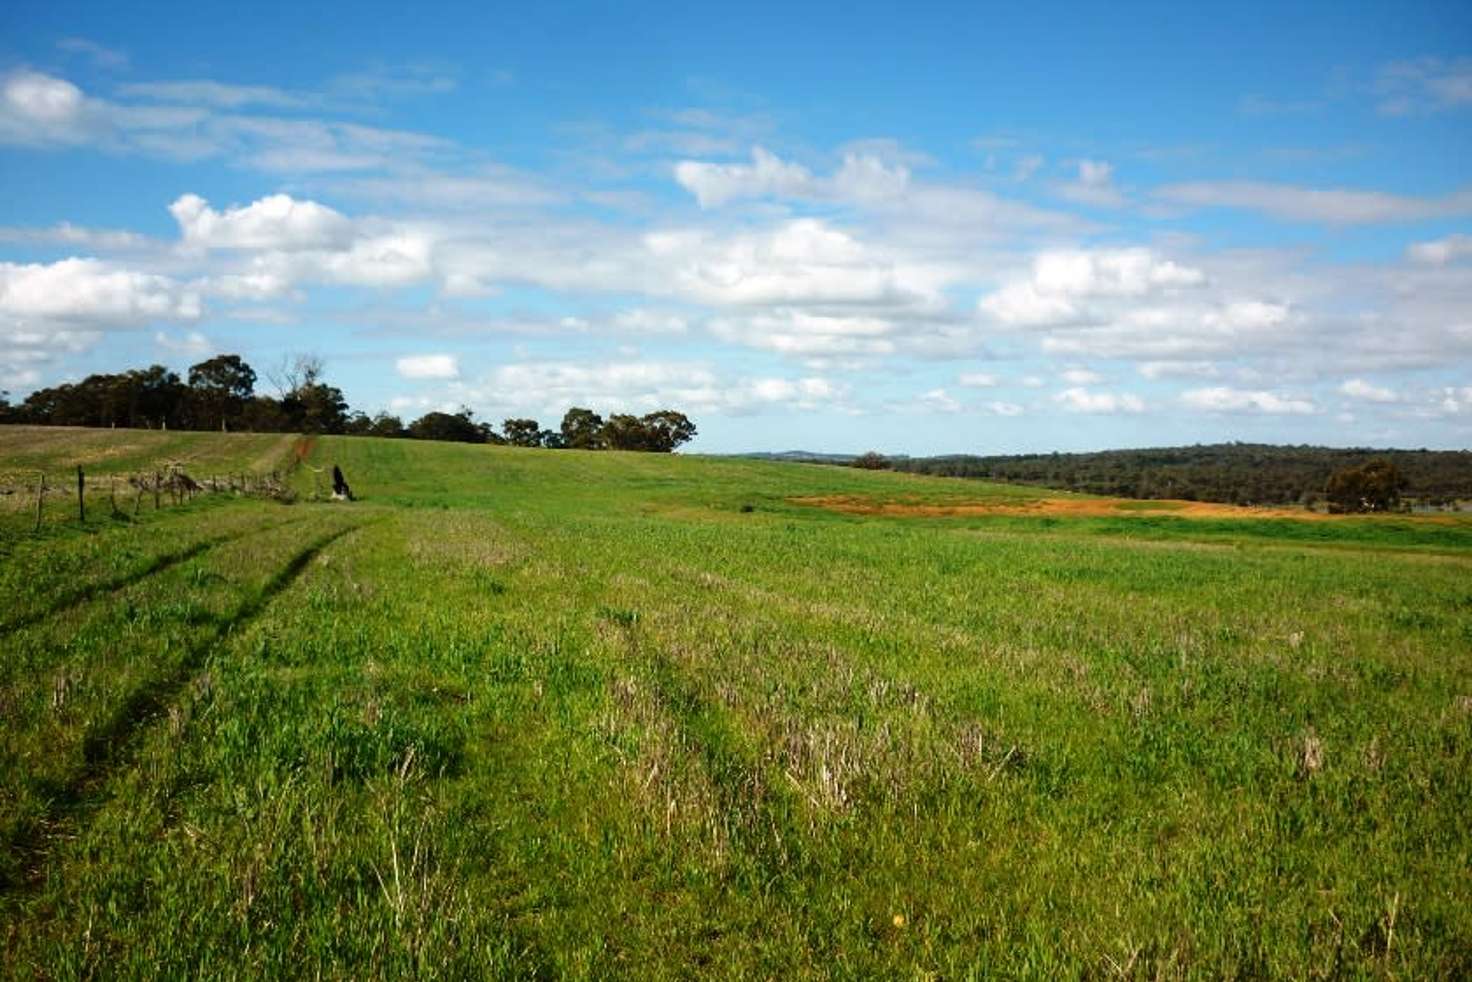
<point x="170" y="486"/>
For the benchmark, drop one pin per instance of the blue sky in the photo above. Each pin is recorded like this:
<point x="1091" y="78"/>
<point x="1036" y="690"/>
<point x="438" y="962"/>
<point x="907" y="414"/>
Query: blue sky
<point x="964" y="228"/>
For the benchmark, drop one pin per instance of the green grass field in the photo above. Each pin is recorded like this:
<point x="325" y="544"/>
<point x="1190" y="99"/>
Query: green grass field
<point x="552" y="713"/>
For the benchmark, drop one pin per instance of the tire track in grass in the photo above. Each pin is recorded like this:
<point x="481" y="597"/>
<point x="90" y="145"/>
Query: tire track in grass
<point x="758" y="812"/>
<point x="122" y="581"/>
<point x="114" y="744"/>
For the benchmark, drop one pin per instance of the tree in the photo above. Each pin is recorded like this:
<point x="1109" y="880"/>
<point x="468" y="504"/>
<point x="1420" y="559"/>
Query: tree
<point x="219" y="388"/>
<point x="582" y="429"/>
<point x="385" y="424"/>
<point x="1374" y="486"/>
<point x="456" y="427"/>
<point x="872" y="461"/>
<point x="294" y="372"/>
<point x="623" y="432"/>
<point x="263" y="414"/>
<point x="522" y="432"/>
<point x="665" y="430"/>
<point x="659" y="432"/>
<point x="317" y="408"/>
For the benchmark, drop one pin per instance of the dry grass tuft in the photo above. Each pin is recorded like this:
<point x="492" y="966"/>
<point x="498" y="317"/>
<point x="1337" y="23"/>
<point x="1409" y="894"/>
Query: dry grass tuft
<point x="1310" y="754"/>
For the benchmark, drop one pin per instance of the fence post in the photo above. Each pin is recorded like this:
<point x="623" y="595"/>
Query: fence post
<point x="158" y="480"/>
<point x="81" y="501"/>
<point x="40" y="499"/>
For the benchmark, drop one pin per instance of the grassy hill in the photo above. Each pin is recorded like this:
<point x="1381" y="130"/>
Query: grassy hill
<point x="558" y="713"/>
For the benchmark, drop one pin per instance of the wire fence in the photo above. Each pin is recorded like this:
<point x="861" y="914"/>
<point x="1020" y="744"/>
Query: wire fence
<point x="38" y="498"/>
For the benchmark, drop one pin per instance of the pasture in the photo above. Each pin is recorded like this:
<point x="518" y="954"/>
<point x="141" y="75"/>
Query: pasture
<point x="531" y="713"/>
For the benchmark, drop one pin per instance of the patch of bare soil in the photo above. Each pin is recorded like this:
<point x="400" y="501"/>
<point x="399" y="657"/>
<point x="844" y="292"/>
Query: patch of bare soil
<point x="1060" y="507"/>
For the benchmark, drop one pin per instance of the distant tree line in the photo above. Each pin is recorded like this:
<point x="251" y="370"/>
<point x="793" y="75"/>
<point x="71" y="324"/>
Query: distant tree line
<point x="1231" y="473"/>
<point x="220" y="394"/>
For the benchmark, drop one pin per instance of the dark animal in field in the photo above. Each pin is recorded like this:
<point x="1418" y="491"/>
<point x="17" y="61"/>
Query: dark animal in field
<point x="340" y="489"/>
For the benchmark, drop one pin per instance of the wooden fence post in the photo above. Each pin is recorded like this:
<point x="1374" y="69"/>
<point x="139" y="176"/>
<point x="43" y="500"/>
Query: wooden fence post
<point x="40" y="499"/>
<point x="81" y="501"/>
<point x="158" y="480"/>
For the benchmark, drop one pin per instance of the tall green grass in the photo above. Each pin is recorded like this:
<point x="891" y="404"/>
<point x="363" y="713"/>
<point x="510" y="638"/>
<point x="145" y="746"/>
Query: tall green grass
<point x="532" y="713"/>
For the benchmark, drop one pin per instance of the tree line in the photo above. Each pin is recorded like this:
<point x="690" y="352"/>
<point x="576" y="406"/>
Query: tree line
<point x="1230" y="473"/>
<point x="220" y="394"/>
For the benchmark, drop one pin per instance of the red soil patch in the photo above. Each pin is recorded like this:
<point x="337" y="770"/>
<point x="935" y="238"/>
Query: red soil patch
<point x="1078" y="507"/>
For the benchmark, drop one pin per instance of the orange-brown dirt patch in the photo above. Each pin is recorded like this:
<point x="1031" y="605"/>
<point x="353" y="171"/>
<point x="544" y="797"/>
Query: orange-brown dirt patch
<point x="302" y="449"/>
<point x="1077" y="507"/>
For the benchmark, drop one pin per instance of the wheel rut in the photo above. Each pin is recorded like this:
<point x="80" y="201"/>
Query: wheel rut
<point x="114" y="744"/>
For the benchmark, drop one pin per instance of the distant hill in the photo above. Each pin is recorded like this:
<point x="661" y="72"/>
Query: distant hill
<point x="1233" y="473"/>
<point x="810" y="457"/>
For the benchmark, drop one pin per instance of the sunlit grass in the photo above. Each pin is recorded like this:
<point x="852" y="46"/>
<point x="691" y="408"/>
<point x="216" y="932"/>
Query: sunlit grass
<point x="556" y="713"/>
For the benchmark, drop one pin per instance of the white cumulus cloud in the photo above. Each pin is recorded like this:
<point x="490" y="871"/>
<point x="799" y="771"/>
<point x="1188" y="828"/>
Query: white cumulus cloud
<point x="1062" y="281"/>
<point x="428" y="367"/>
<point x="1358" y="388"/>
<point x="275" y="222"/>
<point x="1081" y="400"/>
<point x="1224" y="399"/>
<point x="767" y="174"/>
<point x="91" y="292"/>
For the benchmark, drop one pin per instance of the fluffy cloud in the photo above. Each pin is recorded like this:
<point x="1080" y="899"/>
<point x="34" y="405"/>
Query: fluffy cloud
<point x="938" y="401"/>
<point x="643" y="386"/>
<point x="806" y="261"/>
<point x="862" y="177"/>
<point x="47" y="310"/>
<point x="395" y="259"/>
<point x="1455" y="400"/>
<point x="1109" y="272"/>
<point x="874" y="180"/>
<point x="1024" y="305"/>
<point x="1358" y="388"/>
<point x="427" y="367"/>
<point x="1081" y="400"/>
<point x="767" y="174"/>
<point x="91" y="292"/>
<point x="275" y="222"/>
<point x="798" y="332"/>
<point x="1223" y="399"/>
<point x="1062" y="280"/>
<point x="1081" y="376"/>
<point x="38" y="109"/>
<point x="865" y="177"/>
